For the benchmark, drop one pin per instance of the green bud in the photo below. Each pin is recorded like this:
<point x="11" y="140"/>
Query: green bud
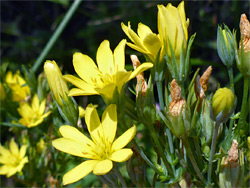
<point x="223" y="104"/>
<point x="225" y="46"/>
<point x="244" y="62"/>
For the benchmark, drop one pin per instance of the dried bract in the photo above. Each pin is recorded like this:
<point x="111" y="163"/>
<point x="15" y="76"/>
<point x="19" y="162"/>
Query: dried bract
<point x="177" y="102"/>
<point x="205" y="77"/>
<point x="140" y="77"/>
<point x="245" y="32"/>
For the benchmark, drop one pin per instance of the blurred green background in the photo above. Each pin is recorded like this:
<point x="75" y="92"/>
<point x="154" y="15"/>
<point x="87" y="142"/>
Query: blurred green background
<point x="26" y="26"/>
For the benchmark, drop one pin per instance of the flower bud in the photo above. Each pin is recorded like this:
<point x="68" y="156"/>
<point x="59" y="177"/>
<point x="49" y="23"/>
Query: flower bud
<point x="225" y="46"/>
<point x="57" y="84"/>
<point x="67" y="107"/>
<point x="223" y="104"/>
<point x="244" y="53"/>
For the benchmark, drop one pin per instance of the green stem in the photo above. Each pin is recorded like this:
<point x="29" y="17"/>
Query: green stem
<point x="118" y="174"/>
<point x="192" y="159"/>
<point x="160" y="94"/>
<point x="213" y="145"/>
<point x="231" y="78"/>
<point x="161" y="101"/>
<point x="243" y="112"/>
<point x="159" y="147"/>
<point x="56" y="35"/>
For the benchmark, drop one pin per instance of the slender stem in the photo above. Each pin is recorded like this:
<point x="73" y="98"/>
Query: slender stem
<point x="56" y="35"/>
<point x="160" y="94"/>
<point x="213" y="145"/>
<point x="159" y="147"/>
<point x="118" y="174"/>
<point x="161" y="101"/>
<point x="192" y="159"/>
<point x="243" y="112"/>
<point x="231" y="78"/>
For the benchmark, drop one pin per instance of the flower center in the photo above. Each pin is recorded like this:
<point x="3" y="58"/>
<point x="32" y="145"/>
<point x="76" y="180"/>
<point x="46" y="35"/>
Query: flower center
<point x="103" y="149"/>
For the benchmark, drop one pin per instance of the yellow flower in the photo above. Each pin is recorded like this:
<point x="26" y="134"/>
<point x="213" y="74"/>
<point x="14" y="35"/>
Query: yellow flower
<point x="145" y="42"/>
<point x="32" y="115"/>
<point x="172" y="27"/>
<point x="101" y="150"/>
<point x="12" y="159"/>
<point x="18" y="86"/>
<point x="104" y="79"/>
<point x="57" y="84"/>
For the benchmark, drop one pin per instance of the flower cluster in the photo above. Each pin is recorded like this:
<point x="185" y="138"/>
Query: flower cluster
<point x="160" y="131"/>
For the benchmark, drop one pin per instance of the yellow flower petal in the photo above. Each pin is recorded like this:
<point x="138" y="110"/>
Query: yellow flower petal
<point x="142" y="50"/>
<point x="79" y="92"/>
<point x="124" y="139"/>
<point x="35" y="102"/>
<point x="85" y="67"/>
<point x="14" y="148"/>
<point x="104" y="58"/>
<point x="143" y="30"/>
<point x="79" y="172"/>
<point x="41" y="108"/>
<point x="4" y="169"/>
<point x="74" y="134"/>
<point x="93" y="123"/>
<point x="23" y="151"/>
<point x="109" y="122"/>
<point x="4" y="151"/>
<point x="107" y="91"/>
<point x="119" y="56"/>
<point x="183" y="18"/>
<point x="121" y="155"/>
<point x="103" y="167"/>
<point x="71" y="147"/>
<point x="11" y="171"/>
<point x="152" y="43"/>
<point x="140" y="69"/>
<point x="121" y="78"/>
<point x="79" y="83"/>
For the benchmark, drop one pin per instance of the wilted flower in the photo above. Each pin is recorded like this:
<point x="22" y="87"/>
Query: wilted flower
<point x="57" y="84"/>
<point x="177" y="102"/>
<point x="101" y="150"/>
<point x="223" y="104"/>
<point x="141" y="83"/>
<point x="32" y="115"/>
<point x="244" y="54"/>
<point x="145" y="42"/>
<point x="107" y="77"/>
<point x="12" y="159"/>
<point x="172" y="27"/>
<point x="17" y="84"/>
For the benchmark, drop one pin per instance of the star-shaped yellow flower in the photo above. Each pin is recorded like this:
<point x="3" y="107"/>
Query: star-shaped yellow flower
<point x="145" y="42"/>
<point x="12" y="159"/>
<point x="17" y="84"/>
<point x="32" y="115"/>
<point x="104" y="79"/>
<point x="101" y="150"/>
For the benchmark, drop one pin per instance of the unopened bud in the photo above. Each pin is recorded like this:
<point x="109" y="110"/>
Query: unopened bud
<point x="57" y="84"/>
<point x="223" y="103"/>
<point x="141" y="83"/>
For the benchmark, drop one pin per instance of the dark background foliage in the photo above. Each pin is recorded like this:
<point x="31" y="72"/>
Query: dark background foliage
<point x="26" y="26"/>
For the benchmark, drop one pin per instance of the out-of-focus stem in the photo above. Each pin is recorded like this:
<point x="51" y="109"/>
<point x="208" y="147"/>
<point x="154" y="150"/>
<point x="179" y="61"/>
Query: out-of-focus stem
<point x="214" y="139"/>
<point x="56" y="34"/>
